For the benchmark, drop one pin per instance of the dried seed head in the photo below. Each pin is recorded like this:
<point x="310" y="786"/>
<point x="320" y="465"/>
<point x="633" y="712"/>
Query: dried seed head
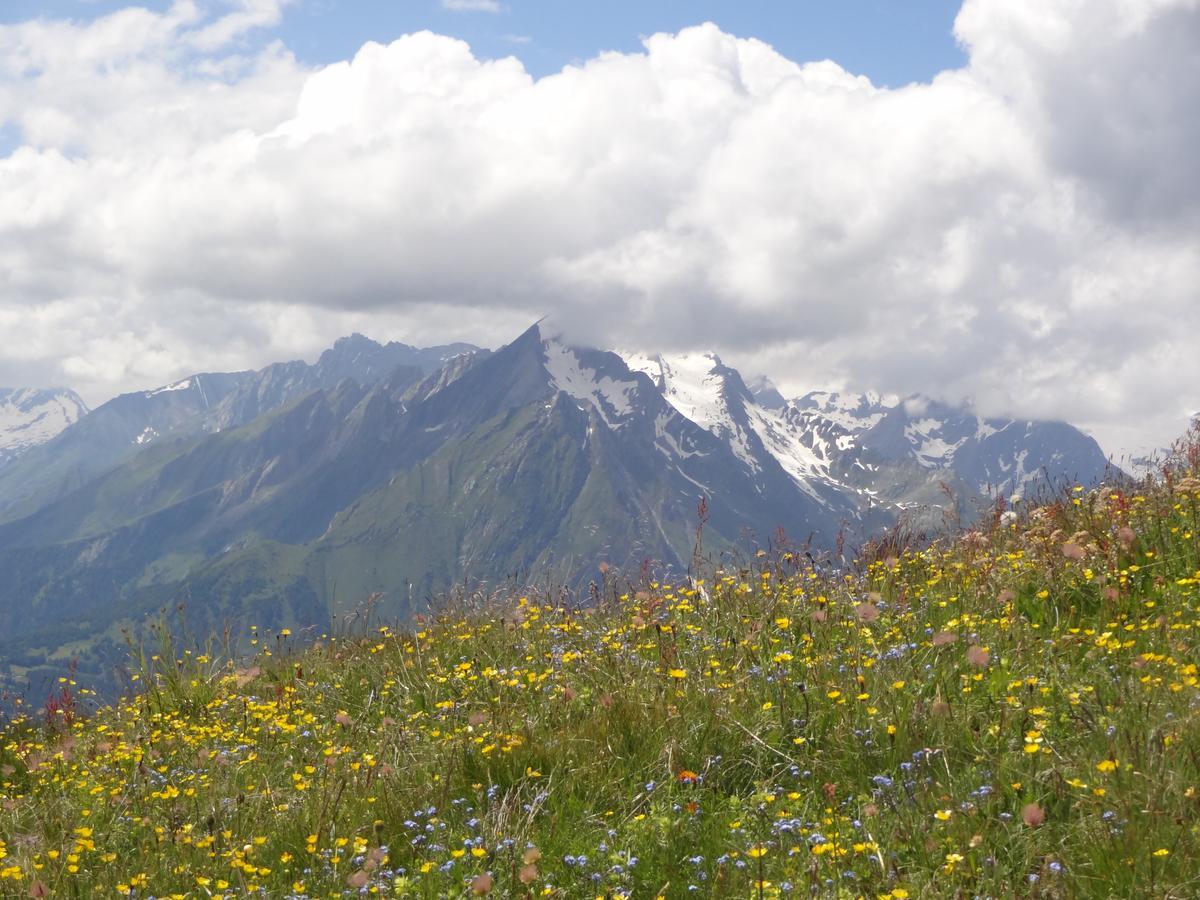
<point x="867" y="612"/>
<point x="978" y="656"/>
<point x="482" y="884"/>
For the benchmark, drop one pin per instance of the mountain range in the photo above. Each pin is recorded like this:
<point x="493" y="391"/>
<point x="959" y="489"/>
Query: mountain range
<point x="286" y="496"/>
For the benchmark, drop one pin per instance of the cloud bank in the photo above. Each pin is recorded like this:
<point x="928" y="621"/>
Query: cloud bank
<point x="183" y="195"/>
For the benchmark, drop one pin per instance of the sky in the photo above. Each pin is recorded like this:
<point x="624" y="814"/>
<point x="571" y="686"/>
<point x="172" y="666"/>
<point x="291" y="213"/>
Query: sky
<point x="891" y="43"/>
<point x="998" y="201"/>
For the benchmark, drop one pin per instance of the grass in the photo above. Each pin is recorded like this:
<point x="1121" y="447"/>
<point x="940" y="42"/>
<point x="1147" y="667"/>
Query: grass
<point x="1013" y="714"/>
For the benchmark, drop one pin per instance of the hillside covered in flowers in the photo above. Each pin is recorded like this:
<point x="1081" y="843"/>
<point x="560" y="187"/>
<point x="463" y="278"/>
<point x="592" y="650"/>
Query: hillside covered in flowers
<point x="1013" y="713"/>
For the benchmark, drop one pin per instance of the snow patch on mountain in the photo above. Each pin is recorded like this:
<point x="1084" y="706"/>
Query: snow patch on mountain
<point x="648" y="364"/>
<point x="853" y="412"/>
<point x="613" y="398"/>
<point x="702" y="389"/>
<point x="930" y="446"/>
<point x="690" y="383"/>
<point x="698" y="386"/>
<point x="177" y="386"/>
<point x="805" y="461"/>
<point x="30" y="416"/>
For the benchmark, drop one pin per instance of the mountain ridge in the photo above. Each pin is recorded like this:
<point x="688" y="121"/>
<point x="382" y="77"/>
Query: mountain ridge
<point x="202" y="403"/>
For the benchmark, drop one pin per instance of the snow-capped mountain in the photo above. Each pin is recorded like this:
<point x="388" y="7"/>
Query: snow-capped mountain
<point x="854" y="412"/>
<point x="995" y="456"/>
<point x="706" y="391"/>
<point x="886" y="453"/>
<point x="30" y="416"/>
<point x="817" y="450"/>
<point x="689" y="400"/>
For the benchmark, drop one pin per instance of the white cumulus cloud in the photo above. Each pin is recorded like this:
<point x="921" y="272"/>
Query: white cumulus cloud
<point x="1024" y="230"/>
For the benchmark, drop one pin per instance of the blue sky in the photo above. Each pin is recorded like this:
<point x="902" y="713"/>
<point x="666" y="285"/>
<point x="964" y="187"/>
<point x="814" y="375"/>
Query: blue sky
<point x="891" y="42"/>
